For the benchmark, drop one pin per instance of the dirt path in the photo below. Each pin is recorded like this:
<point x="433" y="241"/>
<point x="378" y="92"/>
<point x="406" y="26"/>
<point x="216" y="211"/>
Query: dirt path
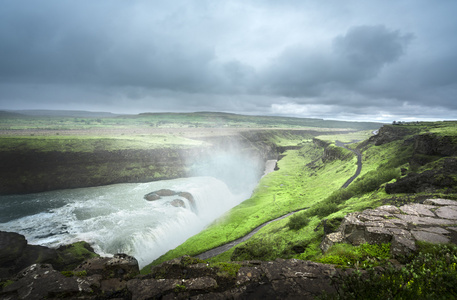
<point x="359" y="163"/>
<point x="221" y="249"/>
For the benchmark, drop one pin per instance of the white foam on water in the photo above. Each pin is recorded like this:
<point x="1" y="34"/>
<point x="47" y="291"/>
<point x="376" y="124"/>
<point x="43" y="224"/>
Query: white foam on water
<point x="117" y="219"/>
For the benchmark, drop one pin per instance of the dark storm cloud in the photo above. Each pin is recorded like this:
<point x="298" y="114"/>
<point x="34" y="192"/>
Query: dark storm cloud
<point x="356" y="56"/>
<point x="62" y="42"/>
<point x="334" y="60"/>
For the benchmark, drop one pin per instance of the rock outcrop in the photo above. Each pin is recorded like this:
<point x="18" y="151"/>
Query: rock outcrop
<point x="442" y="178"/>
<point x="390" y="133"/>
<point x="16" y="254"/>
<point x="189" y="278"/>
<point x="181" y="278"/>
<point x="95" y="278"/>
<point x="433" y="221"/>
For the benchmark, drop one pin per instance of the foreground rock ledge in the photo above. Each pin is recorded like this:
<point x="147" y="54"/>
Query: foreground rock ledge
<point x="434" y="221"/>
<point x="183" y="278"/>
<point x="189" y="278"/>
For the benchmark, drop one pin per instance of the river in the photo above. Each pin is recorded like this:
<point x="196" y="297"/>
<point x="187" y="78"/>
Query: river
<point x="116" y="218"/>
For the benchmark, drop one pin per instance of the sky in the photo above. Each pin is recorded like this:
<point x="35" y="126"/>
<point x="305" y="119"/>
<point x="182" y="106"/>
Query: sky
<point x="343" y="60"/>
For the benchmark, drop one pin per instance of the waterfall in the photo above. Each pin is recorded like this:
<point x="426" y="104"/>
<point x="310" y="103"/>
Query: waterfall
<point x="117" y="218"/>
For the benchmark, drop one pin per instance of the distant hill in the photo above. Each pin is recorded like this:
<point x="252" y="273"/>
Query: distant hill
<point x="63" y="113"/>
<point x="9" y="114"/>
<point x="235" y="120"/>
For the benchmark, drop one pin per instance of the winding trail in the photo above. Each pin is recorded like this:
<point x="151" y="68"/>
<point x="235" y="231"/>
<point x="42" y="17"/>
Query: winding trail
<point x="359" y="163"/>
<point x="221" y="249"/>
<point x="218" y="250"/>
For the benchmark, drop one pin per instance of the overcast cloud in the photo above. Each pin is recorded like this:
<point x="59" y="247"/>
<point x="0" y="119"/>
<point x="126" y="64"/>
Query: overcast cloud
<point x="353" y="60"/>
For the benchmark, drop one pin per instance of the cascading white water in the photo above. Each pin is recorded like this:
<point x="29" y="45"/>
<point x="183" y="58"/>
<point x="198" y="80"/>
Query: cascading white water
<point x="116" y="218"/>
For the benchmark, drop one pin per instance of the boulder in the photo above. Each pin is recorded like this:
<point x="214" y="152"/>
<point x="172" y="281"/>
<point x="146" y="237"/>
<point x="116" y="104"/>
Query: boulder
<point x="165" y="192"/>
<point x="178" y="203"/>
<point x="16" y="254"/>
<point x="151" y="196"/>
<point x="401" y="227"/>
<point x="188" y="196"/>
<point x="156" y="195"/>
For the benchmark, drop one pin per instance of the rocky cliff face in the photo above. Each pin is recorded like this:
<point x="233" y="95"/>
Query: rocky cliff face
<point x="432" y="161"/>
<point x="33" y="171"/>
<point x="387" y="134"/>
<point x="28" y="172"/>
<point x="16" y="254"/>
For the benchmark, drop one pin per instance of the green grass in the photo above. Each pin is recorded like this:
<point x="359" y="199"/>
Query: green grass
<point x="346" y="137"/>
<point x="363" y="256"/>
<point x="294" y="186"/>
<point x="176" y="120"/>
<point x="83" y="143"/>
<point x="429" y="274"/>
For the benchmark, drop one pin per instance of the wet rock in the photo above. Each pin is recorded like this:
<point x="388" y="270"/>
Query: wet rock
<point x="156" y="195"/>
<point x="187" y="196"/>
<point x="151" y="196"/>
<point x="178" y="203"/>
<point x="165" y="193"/>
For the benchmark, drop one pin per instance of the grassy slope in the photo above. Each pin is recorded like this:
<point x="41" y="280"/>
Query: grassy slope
<point x="294" y="186"/>
<point x="298" y="185"/>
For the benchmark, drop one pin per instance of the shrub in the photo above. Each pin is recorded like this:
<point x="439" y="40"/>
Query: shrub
<point x="297" y="221"/>
<point x="323" y="209"/>
<point x="228" y="270"/>
<point x="431" y="274"/>
<point x="372" y="180"/>
<point x="365" y="255"/>
<point x="263" y="249"/>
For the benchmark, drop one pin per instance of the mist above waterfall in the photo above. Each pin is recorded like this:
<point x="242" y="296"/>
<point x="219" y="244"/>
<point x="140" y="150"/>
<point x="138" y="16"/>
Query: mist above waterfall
<point x="230" y="162"/>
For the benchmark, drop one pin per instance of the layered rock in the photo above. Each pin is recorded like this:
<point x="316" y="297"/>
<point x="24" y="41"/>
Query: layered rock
<point x="433" y="221"/>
